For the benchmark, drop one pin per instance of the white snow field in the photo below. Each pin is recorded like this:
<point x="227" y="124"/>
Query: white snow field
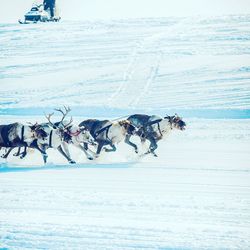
<point x="194" y="195"/>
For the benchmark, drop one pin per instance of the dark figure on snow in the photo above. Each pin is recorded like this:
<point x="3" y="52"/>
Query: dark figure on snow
<point x="49" y="4"/>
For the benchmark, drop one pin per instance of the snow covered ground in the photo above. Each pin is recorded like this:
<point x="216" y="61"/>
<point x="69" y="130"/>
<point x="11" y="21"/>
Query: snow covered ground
<point x="195" y="195"/>
<point x="155" y="64"/>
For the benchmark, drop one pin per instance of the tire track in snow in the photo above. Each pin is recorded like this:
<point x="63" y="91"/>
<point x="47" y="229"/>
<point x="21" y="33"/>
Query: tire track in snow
<point x="127" y="74"/>
<point x="142" y="69"/>
<point x="131" y="85"/>
<point x="153" y="74"/>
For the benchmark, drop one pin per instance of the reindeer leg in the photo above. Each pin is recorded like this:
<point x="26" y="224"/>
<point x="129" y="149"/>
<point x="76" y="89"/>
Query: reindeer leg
<point x="66" y="149"/>
<point x="62" y="152"/>
<point x="113" y="148"/>
<point x="85" y="145"/>
<point x="89" y="156"/>
<point x="99" y="149"/>
<point x="153" y="146"/>
<point x="42" y="150"/>
<point x="127" y="140"/>
<point x="8" y="152"/>
<point x="24" y="153"/>
<point x="18" y="152"/>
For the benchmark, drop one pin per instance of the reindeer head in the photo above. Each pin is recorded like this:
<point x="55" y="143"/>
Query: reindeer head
<point x="63" y="125"/>
<point x="176" y="122"/>
<point x="66" y="137"/>
<point x="37" y="131"/>
<point x="86" y="135"/>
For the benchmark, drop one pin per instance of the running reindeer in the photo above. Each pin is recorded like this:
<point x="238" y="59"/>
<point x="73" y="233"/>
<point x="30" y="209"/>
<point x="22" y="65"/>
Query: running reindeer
<point x="106" y="132"/>
<point x="50" y="138"/>
<point x="72" y="134"/>
<point x="58" y="135"/>
<point x="153" y="128"/>
<point x="19" y="135"/>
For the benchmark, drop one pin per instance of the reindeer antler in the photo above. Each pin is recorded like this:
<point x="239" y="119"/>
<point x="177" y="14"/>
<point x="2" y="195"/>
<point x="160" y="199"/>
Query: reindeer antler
<point x="67" y="110"/>
<point x="68" y="124"/>
<point x="48" y="118"/>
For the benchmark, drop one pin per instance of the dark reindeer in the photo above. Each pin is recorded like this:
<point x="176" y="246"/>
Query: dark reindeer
<point x="106" y="132"/>
<point x="19" y="135"/>
<point x="153" y="128"/>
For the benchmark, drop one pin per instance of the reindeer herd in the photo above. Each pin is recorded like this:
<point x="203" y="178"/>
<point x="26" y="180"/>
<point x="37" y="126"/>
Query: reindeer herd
<point x="91" y="136"/>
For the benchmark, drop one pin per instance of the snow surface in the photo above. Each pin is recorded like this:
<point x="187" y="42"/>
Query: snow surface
<point x="195" y="195"/>
<point x="154" y="64"/>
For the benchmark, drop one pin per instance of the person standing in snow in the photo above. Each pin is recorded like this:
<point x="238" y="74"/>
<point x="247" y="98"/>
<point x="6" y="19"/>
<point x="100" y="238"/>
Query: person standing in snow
<point x="49" y="4"/>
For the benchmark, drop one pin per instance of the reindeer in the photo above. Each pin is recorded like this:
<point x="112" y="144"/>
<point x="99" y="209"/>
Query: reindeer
<point x="74" y="135"/>
<point x="59" y="134"/>
<point x="53" y="137"/>
<point x="106" y="132"/>
<point x="19" y="135"/>
<point x="56" y="138"/>
<point x="153" y="128"/>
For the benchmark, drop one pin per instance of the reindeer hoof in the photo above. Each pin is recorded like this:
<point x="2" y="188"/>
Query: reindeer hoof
<point x="106" y="149"/>
<point x="22" y="156"/>
<point x="136" y="151"/>
<point x="91" y="158"/>
<point x="72" y="162"/>
<point x="16" y="154"/>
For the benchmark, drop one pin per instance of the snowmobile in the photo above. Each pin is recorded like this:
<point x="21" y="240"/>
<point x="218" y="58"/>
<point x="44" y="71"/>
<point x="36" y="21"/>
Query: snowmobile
<point x="38" y="14"/>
